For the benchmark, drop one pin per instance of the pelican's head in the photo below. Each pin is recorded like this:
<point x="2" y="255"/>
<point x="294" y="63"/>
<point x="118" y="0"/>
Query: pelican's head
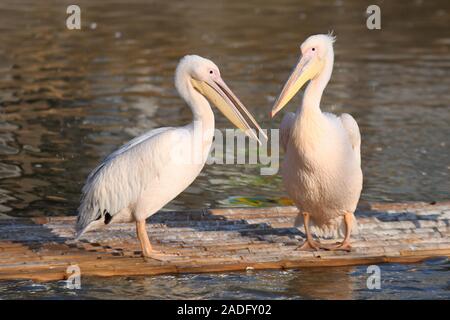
<point x="316" y="51"/>
<point x="205" y="78"/>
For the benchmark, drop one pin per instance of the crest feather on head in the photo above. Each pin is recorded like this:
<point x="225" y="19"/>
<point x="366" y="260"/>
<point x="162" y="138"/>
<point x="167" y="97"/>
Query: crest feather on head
<point x="332" y="36"/>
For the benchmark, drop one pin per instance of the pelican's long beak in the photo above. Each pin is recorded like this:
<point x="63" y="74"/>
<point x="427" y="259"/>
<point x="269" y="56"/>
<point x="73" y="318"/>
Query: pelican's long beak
<point x="224" y="99"/>
<point x="306" y="69"/>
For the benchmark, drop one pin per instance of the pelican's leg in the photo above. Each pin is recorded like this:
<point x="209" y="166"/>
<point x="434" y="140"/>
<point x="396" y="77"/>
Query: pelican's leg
<point x="345" y="245"/>
<point x="309" y="243"/>
<point x="142" y="235"/>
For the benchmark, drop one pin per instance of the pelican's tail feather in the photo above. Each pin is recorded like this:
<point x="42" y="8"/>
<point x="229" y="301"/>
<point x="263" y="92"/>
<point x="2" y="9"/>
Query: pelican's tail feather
<point x="89" y="217"/>
<point x="81" y="230"/>
<point x="79" y="233"/>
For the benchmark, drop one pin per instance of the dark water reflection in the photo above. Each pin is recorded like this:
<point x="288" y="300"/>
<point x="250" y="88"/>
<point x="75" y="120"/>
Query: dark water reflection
<point x="416" y="281"/>
<point x="68" y="98"/>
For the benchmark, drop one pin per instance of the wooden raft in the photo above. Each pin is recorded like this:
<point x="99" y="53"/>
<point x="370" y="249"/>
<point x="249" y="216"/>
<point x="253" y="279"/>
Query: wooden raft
<point x="217" y="240"/>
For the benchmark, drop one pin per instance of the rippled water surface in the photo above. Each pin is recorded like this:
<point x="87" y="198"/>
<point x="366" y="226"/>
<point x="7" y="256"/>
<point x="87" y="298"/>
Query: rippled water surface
<point x="69" y="98"/>
<point x="415" y="281"/>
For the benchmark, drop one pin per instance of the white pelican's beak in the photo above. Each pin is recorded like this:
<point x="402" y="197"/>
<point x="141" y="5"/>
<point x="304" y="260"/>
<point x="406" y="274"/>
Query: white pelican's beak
<point x="224" y="99"/>
<point x="306" y="69"/>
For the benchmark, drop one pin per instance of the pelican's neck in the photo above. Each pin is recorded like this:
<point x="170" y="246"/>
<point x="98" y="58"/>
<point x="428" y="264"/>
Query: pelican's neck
<point x="202" y="126"/>
<point x="313" y="94"/>
<point x="200" y="107"/>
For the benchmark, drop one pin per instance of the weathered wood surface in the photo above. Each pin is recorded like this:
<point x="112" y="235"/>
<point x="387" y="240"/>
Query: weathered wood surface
<point x="218" y="240"/>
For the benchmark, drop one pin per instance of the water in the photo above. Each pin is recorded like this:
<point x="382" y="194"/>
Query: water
<point x="69" y="98"/>
<point x="415" y="281"/>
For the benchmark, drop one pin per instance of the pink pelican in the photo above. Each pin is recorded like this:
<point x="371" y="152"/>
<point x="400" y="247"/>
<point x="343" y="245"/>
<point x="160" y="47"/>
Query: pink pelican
<point x="141" y="177"/>
<point x="322" y="166"/>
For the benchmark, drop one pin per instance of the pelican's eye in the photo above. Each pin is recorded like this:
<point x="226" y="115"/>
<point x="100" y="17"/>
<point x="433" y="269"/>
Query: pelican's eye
<point x="313" y="49"/>
<point x="211" y="72"/>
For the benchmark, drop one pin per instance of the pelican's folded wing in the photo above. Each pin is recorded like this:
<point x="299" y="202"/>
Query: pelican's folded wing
<point x="285" y="128"/>
<point x="116" y="182"/>
<point x="351" y="126"/>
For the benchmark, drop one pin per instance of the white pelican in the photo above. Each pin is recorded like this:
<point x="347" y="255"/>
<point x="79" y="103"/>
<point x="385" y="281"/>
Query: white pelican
<point x="141" y="177"/>
<point x="322" y="165"/>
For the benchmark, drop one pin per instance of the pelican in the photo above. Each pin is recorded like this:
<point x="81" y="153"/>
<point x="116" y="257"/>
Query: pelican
<point x="322" y="166"/>
<point x="142" y="176"/>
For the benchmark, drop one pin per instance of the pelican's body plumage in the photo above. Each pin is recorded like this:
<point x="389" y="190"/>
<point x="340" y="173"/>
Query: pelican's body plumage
<point x="127" y="192"/>
<point x="322" y="165"/>
<point x="321" y="170"/>
<point x="145" y="174"/>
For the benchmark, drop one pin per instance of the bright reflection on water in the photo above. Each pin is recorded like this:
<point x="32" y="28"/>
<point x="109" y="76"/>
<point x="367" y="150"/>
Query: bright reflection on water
<point x="68" y="98"/>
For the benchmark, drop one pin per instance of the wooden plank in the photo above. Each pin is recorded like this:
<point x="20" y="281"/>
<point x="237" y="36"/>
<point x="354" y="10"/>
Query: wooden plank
<point x="218" y="240"/>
